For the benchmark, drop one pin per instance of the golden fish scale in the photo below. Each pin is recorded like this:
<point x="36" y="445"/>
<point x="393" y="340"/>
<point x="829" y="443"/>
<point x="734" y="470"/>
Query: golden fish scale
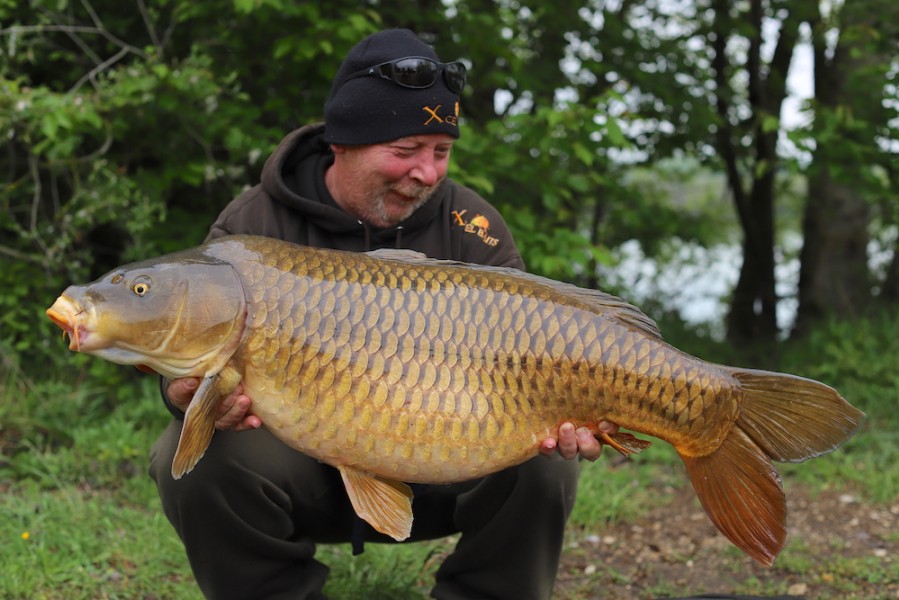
<point x="437" y="373"/>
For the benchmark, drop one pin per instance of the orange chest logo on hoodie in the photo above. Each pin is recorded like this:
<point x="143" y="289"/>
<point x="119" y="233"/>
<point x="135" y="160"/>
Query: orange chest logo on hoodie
<point x="478" y="225"/>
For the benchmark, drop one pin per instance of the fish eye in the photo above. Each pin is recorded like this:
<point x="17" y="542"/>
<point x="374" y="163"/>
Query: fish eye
<point x="140" y="288"/>
<point x="116" y="279"/>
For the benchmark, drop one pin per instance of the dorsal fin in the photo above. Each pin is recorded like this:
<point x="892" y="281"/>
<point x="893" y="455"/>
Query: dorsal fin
<point x="401" y="255"/>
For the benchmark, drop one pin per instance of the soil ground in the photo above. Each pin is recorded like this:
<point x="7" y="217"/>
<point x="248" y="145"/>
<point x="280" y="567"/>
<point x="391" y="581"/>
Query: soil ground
<point x="837" y="547"/>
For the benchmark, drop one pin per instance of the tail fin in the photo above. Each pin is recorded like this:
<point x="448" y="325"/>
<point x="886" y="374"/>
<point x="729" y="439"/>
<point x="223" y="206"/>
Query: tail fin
<point x="783" y="418"/>
<point x="793" y="418"/>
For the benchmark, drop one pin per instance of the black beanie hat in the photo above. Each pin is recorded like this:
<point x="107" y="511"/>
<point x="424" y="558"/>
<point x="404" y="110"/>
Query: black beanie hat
<point x="371" y="109"/>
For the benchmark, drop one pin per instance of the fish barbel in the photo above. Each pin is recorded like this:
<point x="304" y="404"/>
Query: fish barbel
<point x="397" y="369"/>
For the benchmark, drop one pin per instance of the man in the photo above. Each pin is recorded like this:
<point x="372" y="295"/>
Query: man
<point x="374" y="175"/>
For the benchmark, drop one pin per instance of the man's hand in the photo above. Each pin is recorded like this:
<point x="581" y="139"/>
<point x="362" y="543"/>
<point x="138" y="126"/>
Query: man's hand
<point x="577" y="442"/>
<point x="232" y="410"/>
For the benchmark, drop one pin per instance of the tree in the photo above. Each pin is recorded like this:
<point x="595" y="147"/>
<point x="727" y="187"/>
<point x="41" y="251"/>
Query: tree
<point x="851" y="172"/>
<point x="737" y="57"/>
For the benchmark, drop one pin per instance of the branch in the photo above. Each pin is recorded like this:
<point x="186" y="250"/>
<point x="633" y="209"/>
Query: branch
<point x="754" y="59"/>
<point x="105" y="32"/>
<point x="101" y="67"/>
<point x="76" y="39"/>
<point x="44" y="28"/>
<point x="19" y="255"/>
<point x="149" y="24"/>
<point x="725" y="131"/>
<point x="35" y="201"/>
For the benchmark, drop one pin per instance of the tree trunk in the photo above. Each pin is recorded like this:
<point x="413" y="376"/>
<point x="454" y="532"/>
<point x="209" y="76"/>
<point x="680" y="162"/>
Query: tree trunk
<point x="834" y="276"/>
<point x="753" y="310"/>
<point x="889" y="290"/>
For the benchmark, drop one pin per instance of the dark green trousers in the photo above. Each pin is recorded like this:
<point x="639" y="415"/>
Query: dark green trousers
<point x="253" y="510"/>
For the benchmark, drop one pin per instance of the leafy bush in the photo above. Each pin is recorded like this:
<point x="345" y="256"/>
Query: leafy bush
<point x="126" y="133"/>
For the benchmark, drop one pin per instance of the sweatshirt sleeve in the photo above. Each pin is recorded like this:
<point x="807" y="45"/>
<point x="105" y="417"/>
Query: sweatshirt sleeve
<point x="174" y="410"/>
<point x="251" y="212"/>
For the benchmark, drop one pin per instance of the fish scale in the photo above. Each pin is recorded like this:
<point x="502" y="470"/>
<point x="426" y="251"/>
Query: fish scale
<point x="396" y="368"/>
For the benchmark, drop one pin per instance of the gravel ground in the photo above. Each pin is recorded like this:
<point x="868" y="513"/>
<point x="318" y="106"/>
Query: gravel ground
<point x="837" y="547"/>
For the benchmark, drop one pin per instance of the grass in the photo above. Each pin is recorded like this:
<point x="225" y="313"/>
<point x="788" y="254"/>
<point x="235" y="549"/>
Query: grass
<point x="77" y="542"/>
<point x="79" y="517"/>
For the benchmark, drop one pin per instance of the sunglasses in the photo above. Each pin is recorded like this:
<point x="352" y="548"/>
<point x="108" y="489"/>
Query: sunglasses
<point x="417" y="72"/>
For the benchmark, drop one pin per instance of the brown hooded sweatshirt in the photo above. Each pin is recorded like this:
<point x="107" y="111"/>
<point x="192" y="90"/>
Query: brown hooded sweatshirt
<point x="292" y="203"/>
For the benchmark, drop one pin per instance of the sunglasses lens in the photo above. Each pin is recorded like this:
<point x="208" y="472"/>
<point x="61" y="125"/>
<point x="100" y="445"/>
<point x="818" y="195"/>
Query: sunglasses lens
<point x="415" y="72"/>
<point x="455" y="76"/>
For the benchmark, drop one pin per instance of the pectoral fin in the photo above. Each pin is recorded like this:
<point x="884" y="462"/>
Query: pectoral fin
<point x="199" y="420"/>
<point x="385" y="504"/>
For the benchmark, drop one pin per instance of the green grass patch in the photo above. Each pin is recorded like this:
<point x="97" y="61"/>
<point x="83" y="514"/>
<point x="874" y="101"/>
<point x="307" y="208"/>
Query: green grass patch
<point x="383" y="572"/>
<point x="90" y="543"/>
<point x="617" y="489"/>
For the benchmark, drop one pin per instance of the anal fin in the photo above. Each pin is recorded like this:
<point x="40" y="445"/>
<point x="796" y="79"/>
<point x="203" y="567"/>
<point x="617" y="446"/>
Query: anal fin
<point x="384" y="503"/>
<point x="623" y="442"/>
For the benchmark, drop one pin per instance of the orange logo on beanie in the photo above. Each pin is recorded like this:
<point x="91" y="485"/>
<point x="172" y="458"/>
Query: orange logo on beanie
<point x="435" y="116"/>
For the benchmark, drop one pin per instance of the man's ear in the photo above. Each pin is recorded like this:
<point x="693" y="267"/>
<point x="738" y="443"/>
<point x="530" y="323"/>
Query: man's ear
<point x="338" y="148"/>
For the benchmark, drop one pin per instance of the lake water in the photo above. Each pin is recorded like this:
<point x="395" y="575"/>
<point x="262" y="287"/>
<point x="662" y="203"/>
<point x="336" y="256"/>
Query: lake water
<point x="697" y="282"/>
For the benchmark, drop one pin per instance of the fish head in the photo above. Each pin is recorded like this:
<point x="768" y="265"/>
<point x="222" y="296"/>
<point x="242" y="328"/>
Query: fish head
<point x="180" y="316"/>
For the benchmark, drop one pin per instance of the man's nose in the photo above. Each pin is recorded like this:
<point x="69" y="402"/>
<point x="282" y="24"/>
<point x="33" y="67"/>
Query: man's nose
<point x="425" y="171"/>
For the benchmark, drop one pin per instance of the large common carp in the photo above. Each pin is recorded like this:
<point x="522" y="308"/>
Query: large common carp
<point x="396" y="368"/>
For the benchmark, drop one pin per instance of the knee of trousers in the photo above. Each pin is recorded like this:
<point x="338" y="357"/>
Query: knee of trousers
<point x="234" y="463"/>
<point x="553" y="480"/>
<point x="541" y="487"/>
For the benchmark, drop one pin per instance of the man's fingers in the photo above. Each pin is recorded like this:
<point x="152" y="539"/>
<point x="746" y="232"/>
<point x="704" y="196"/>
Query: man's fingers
<point x="588" y="446"/>
<point x="250" y="422"/>
<point x="568" y="442"/>
<point x="233" y="409"/>
<point x="548" y="447"/>
<point x="608" y="427"/>
<point x="181" y="391"/>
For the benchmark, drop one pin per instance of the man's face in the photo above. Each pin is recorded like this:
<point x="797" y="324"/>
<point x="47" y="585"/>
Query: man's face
<point x="383" y="184"/>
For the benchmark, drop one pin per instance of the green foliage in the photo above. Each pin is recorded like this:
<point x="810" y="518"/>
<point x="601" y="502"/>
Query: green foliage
<point x="383" y="572"/>
<point x="680" y="199"/>
<point x="858" y="350"/>
<point x="547" y="202"/>
<point x="91" y="429"/>
<point x="77" y="510"/>
<point x="117" y="122"/>
<point x="615" y="489"/>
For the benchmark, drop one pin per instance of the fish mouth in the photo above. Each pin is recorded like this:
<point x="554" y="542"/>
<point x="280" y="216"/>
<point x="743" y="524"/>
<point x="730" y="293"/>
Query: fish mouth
<point x="65" y="313"/>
